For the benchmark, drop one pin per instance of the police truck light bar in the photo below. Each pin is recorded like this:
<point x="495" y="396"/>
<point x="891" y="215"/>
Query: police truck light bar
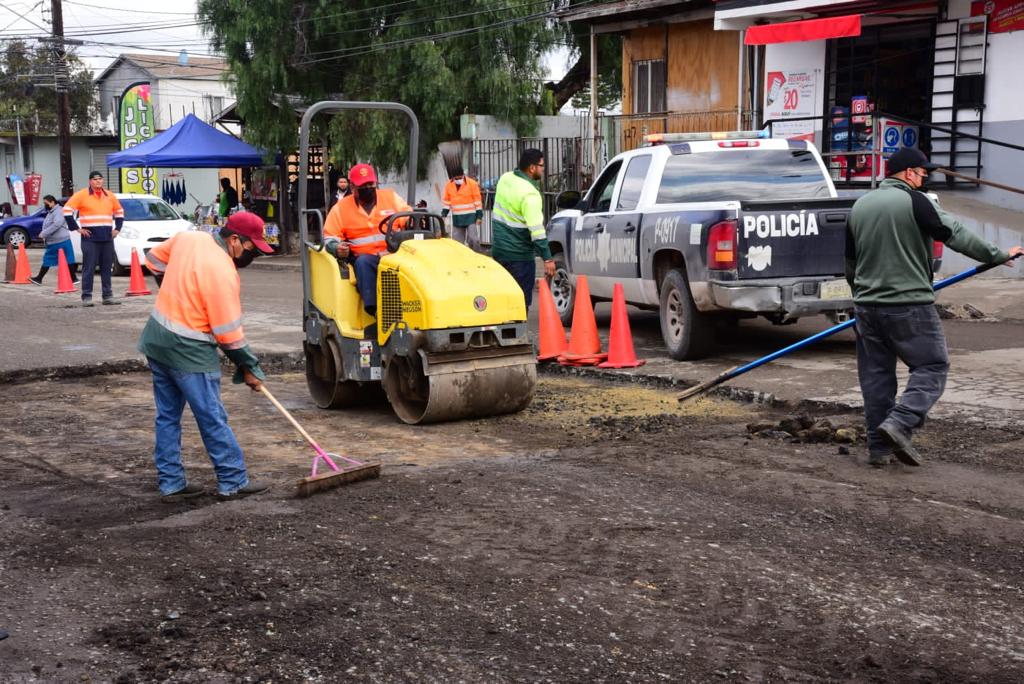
<point x="658" y="138"/>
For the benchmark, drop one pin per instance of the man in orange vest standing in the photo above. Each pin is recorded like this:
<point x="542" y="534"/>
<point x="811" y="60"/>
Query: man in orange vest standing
<point x="199" y="309"/>
<point x="353" y="229"/>
<point x="100" y="218"/>
<point x="462" y="198"/>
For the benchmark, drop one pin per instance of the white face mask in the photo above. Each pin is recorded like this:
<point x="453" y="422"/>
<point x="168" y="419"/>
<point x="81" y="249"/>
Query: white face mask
<point x="458" y="182"/>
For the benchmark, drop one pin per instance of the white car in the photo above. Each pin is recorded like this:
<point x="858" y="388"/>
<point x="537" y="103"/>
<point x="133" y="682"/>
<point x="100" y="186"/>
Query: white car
<point x="148" y="220"/>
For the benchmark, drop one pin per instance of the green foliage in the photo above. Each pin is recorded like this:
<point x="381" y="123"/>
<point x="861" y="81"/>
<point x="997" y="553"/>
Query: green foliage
<point x="609" y="75"/>
<point x="288" y="52"/>
<point x="27" y="84"/>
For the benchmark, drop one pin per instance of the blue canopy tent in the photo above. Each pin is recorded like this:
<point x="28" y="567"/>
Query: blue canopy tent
<point x="189" y="144"/>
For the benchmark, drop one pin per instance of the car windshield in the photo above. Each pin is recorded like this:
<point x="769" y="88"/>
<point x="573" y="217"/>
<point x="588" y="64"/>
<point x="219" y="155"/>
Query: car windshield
<point x="742" y="174"/>
<point x="147" y="210"/>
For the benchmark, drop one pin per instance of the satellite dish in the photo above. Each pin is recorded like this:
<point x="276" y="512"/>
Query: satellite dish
<point x="183" y="58"/>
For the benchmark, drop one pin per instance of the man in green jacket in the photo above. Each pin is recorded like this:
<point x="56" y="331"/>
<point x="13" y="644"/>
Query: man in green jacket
<point x="888" y="265"/>
<point x="517" y="223"/>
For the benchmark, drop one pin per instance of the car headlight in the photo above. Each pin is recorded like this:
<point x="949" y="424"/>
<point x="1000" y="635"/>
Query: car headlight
<point x="129" y="233"/>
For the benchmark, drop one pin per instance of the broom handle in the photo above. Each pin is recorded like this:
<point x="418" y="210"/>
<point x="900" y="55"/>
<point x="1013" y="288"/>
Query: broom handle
<point x="282" y="409"/>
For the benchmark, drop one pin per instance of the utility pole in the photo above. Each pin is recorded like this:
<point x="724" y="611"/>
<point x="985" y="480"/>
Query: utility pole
<point x="63" y="99"/>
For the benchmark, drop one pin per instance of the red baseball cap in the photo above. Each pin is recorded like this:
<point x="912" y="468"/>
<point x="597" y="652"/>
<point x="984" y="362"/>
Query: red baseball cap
<point x="249" y="226"/>
<point x="361" y="174"/>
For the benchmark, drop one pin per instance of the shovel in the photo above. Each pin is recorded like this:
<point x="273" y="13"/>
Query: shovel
<point x="737" y="371"/>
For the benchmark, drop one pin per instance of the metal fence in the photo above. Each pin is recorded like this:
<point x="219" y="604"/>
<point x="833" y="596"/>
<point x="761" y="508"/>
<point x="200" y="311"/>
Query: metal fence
<point x="568" y="165"/>
<point x="628" y="130"/>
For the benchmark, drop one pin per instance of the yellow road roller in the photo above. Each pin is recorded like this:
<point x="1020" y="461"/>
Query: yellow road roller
<point x="449" y="340"/>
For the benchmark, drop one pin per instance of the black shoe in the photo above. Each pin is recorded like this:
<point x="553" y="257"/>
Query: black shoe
<point x="36" y="281"/>
<point x="87" y="302"/>
<point x="110" y="301"/>
<point x="189" y="491"/>
<point x="879" y="460"/>
<point x="248" y="490"/>
<point x="901" y="444"/>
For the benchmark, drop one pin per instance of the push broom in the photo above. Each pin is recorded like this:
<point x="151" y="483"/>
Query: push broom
<point x="354" y="471"/>
<point x="737" y="371"/>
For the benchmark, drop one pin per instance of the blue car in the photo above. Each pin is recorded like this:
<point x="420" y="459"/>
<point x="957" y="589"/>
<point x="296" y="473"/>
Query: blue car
<point x="18" y="230"/>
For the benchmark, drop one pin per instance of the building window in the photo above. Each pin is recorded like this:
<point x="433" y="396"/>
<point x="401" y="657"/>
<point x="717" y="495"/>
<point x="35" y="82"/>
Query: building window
<point x="649" y="86"/>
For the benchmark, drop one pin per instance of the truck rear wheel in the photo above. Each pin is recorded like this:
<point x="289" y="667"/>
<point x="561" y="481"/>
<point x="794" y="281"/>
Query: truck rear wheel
<point x="688" y="333"/>
<point x="563" y="290"/>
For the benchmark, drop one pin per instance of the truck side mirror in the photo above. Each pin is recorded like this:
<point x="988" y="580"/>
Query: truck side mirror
<point x="568" y="199"/>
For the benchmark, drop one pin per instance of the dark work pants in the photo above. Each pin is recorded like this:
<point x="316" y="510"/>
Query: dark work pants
<point x="365" y="266"/>
<point x="525" y="273"/>
<point x="93" y="254"/>
<point x="913" y="335"/>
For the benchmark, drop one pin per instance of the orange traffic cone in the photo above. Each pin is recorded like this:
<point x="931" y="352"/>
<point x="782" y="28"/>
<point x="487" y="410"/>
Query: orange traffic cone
<point x="552" y="333"/>
<point x="620" y="340"/>
<point x="64" y="282"/>
<point x="584" y="344"/>
<point x="9" y="267"/>
<point x="137" y="283"/>
<point x="22" y="271"/>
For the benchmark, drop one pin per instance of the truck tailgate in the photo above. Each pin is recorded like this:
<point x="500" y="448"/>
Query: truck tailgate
<point x="782" y="239"/>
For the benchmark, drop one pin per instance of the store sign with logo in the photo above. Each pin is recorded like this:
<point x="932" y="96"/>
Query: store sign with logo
<point x="1003" y="15"/>
<point x="136" y="126"/>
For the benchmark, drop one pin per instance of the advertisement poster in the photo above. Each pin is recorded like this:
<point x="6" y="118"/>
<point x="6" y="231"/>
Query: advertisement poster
<point x="136" y="126"/>
<point x="17" y="188"/>
<point x="1003" y="15"/>
<point x="790" y="95"/>
<point x="33" y="186"/>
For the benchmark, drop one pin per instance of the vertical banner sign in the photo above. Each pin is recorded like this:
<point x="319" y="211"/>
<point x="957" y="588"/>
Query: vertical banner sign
<point x="137" y="127"/>
<point x="790" y="95"/>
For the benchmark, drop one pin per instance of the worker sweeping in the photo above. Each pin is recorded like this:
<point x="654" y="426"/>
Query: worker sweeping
<point x="888" y="266"/>
<point x="352" y="230"/>
<point x="199" y="310"/>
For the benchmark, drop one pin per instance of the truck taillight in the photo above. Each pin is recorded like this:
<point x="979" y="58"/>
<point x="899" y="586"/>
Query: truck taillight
<point x="722" y="246"/>
<point x="937" y="248"/>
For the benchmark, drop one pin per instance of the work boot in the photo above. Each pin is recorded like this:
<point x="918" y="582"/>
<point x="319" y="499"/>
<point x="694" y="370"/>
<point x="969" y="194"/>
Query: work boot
<point x="879" y="460"/>
<point x="900" y="441"/>
<point x="110" y="301"/>
<point x="189" y="491"/>
<point x="248" y="490"/>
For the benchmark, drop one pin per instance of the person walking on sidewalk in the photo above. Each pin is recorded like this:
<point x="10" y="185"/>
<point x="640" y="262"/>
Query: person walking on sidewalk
<point x="100" y="218"/>
<point x="888" y="265"/>
<point x="57" y="238"/>
<point x="197" y="310"/>
<point x="462" y="199"/>
<point x="517" y="222"/>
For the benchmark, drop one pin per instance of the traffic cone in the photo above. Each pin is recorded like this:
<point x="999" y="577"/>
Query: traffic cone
<point x="584" y="344"/>
<point x="552" y="333"/>
<point x="22" y="271"/>
<point x="9" y="268"/>
<point x="137" y="283"/>
<point x="64" y="282"/>
<point x="620" y="340"/>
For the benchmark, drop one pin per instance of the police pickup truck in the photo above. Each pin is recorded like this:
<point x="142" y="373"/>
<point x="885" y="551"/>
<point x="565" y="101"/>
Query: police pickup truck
<point x="707" y="228"/>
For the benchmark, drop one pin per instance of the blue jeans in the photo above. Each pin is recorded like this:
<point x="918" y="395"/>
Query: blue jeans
<point x="525" y="273"/>
<point x="171" y="389"/>
<point x="97" y="254"/>
<point x="912" y="334"/>
<point x="365" y="266"/>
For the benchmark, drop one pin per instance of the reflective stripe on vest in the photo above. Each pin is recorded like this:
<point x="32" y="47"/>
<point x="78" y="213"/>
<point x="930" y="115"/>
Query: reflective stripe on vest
<point x="181" y="330"/>
<point x="506" y="217"/>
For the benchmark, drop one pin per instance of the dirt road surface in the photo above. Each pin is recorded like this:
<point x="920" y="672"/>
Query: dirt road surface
<point x="603" y="535"/>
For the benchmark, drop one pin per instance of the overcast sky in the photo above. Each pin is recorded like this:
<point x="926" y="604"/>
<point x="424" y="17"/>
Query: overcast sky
<point x="110" y="27"/>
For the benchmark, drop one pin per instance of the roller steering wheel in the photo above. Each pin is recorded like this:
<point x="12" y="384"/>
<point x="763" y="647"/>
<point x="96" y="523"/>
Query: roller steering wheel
<point x="426" y="225"/>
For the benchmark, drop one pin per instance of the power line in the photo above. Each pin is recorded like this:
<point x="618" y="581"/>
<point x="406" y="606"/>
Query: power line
<point x="133" y="11"/>
<point x="22" y="16"/>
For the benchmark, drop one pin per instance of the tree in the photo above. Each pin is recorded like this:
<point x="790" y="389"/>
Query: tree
<point x="441" y="60"/>
<point x="575" y="85"/>
<point x="27" y="80"/>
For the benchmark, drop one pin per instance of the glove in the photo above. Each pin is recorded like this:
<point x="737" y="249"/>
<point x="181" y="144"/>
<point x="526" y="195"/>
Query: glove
<point x="243" y="357"/>
<point x="239" y="377"/>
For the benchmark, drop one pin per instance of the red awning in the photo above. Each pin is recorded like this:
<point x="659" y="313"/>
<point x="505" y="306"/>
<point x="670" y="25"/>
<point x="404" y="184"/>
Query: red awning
<point x="812" y="29"/>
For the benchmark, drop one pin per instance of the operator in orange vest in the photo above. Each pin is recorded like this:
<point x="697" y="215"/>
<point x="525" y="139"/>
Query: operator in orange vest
<point x="462" y="198"/>
<point x="100" y="217"/>
<point x="353" y="229"/>
<point x="199" y="310"/>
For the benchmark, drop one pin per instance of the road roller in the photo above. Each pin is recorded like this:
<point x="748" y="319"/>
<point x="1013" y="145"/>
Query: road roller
<point x="449" y="338"/>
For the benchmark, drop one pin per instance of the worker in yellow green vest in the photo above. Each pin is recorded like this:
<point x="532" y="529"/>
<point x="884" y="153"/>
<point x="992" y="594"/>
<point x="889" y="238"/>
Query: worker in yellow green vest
<point x="517" y="223"/>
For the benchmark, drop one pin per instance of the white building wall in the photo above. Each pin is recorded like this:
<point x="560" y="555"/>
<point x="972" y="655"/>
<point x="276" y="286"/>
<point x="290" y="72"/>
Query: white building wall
<point x="174" y="98"/>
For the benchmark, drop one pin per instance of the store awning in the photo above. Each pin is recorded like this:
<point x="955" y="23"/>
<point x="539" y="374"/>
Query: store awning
<point x="811" y="29"/>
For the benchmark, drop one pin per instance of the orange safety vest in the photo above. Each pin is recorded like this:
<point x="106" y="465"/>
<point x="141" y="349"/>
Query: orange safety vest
<point x="347" y="221"/>
<point x="464" y="200"/>
<point x="94" y="210"/>
<point x="200" y="297"/>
